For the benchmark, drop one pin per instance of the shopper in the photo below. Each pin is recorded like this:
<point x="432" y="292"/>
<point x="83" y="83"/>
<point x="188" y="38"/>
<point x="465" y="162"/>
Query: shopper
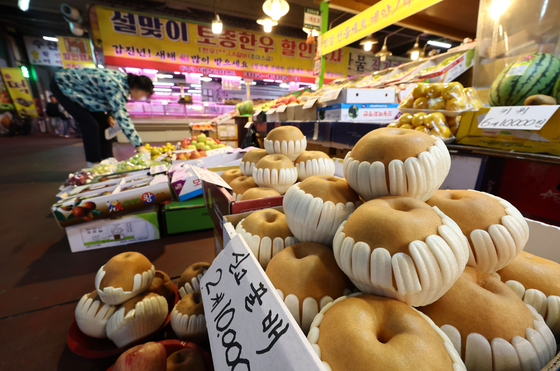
<point x="58" y="117"/>
<point x="85" y="91"/>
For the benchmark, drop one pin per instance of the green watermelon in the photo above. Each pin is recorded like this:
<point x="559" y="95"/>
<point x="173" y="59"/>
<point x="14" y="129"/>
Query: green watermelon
<point x="245" y="108"/>
<point x="529" y="75"/>
<point x="556" y="91"/>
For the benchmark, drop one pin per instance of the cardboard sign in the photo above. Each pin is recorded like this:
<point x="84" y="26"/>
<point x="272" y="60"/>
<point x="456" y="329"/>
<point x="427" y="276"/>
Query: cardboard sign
<point x="281" y="109"/>
<point x="256" y="113"/>
<point x="271" y="111"/>
<point x="210" y="177"/>
<point x="517" y="117"/>
<point x="309" y="103"/>
<point x="330" y="95"/>
<point x="248" y="325"/>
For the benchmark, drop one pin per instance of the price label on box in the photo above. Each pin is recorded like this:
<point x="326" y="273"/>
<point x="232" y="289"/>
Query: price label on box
<point x="516" y="117"/>
<point x="330" y="95"/>
<point x="248" y="325"/>
<point x="210" y="177"/>
<point x="281" y="109"/>
<point x="271" y="111"/>
<point x="309" y="103"/>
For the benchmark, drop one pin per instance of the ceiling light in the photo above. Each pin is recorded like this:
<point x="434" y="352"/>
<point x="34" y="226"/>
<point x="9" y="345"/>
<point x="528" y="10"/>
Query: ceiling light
<point x="23" y="5"/>
<point x="243" y="81"/>
<point x="279" y="81"/>
<point x="284" y="85"/>
<point x="276" y="9"/>
<point x="151" y="72"/>
<point x="163" y="83"/>
<point x="440" y="44"/>
<point x="206" y="79"/>
<point x="100" y="66"/>
<point x="497" y="8"/>
<point x="217" y="25"/>
<point x="195" y="86"/>
<point x="193" y="91"/>
<point x="415" y="51"/>
<point x="384" y="52"/>
<point x="267" y="24"/>
<point x="25" y="71"/>
<point x="176" y="73"/>
<point x="168" y="90"/>
<point x="254" y="83"/>
<point x="368" y="42"/>
<point x="164" y="76"/>
<point x="268" y="80"/>
<point x="49" y="38"/>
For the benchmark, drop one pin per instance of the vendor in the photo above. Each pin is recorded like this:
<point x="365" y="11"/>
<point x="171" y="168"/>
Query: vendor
<point x="85" y="92"/>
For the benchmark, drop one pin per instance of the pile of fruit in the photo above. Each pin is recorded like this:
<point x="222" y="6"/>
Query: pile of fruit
<point x="201" y="144"/>
<point x="136" y="162"/>
<point x="202" y="127"/>
<point x="79" y="179"/>
<point x="439" y="96"/>
<point x="155" y="152"/>
<point x="434" y="123"/>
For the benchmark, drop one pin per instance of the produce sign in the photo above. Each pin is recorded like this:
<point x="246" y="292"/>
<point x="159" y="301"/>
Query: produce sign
<point x="19" y="91"/>
<point x="517" y="118"/>
<point x="373" y="19"/>
<point x="248" y="326"/>
<point x="133" y="39"/>
<point x="75" y="52"/>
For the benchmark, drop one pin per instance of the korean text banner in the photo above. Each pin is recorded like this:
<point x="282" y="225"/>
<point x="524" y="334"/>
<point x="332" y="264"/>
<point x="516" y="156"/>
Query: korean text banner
<point x="144" y="41"/>
<point x="19" y="91"/>
<point x="375" y="18"/>
<point x="75" y="52"/>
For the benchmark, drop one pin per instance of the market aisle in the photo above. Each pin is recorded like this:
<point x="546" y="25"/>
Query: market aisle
<point x="40" y="279"/>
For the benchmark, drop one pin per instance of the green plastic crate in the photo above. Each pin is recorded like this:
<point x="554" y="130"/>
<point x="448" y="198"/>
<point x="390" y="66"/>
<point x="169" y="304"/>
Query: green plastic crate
<point x="186" y="216"/>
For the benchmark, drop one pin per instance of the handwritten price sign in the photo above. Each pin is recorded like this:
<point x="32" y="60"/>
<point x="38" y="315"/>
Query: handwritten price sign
<point x="517" y="117"/>
<point x="248" y="325"/>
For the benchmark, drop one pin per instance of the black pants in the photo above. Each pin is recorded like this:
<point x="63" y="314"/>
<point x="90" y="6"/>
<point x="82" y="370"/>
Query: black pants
<point x="92" y="125"/>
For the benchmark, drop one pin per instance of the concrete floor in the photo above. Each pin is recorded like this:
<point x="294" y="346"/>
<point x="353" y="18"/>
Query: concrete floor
<point x="41" y="281"/>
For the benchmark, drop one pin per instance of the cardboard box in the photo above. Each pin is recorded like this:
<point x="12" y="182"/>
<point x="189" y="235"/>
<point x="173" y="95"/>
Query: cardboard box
<point x="546" y="140"/>
<point x="223" y="156"/>
<point x="81" y="209"/>
<point x="187" y="185"/>
<point x="220" y="203"/>
<point x="228" y="233"/>
<point x="138" y="226"/>
<point x="227" y="131"/>
<point x="385" y="113"/>
<point x="298" y="113"/>
<point x="218" y="241"/>
<point x="277" y="114"/>
<point x="355" y="96"/>
<point x="452" y="70"/>
<point x="186" y="216"/>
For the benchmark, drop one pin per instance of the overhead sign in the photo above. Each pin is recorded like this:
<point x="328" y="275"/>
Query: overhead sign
<point x="312" y="19"/>
<point x="248" y="325"/>
<point x="363" y="63"/>
<point x="19" y="91"/>
<point x="375" y="18"/>
<point x="517" y="117"/>
<point x="132" y="39"/>
<point x="42" y="52"/>
<point x="75" y="52"/>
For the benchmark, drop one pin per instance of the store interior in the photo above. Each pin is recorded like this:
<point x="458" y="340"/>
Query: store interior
<point x="280" y="185"/>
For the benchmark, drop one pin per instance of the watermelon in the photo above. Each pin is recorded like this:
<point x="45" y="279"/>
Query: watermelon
<point x="245" y="108"/>
<point x="556" y="91"/>
<point x="529" y="75"/>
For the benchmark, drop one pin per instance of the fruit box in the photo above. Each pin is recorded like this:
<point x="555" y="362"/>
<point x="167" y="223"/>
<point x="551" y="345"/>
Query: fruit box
<point x="137" y="226"/>
<point x="214" y="159"/>
<point x="546" y="140"/>
<point x="186" y="216"/>
<point x="220" y="202"/>
<point x="543" y="241"/>
<point x="355" y="95"/>
<point x="451" y="71"/>
<point x="359" y="112"/>
<point x="186" y="184"/>
<point x="75" y="210"/>
<point x="299" y="113"/>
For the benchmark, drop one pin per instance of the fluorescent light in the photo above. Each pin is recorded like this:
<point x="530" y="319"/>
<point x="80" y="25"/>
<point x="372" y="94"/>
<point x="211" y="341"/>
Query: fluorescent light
<point x="164" y="76"/>
<point x="176" y="73"/>
<point x="280" y="81"/>
<point x="254" y="83"/>
<point x="284" y="86"/>
<point x="196" y="74"/>
<point x="48" y="38"/>
<point x="193" y="91"/>
<point x="243" y="81"/>
<point x="132" y="70"/>
<point x="226" y="77"/>
<point x="163" y="83"/>
<point x="440" y="44"/>
<point x="100" y="66"/>
<point x="195" y="86"/>
<point x="268" y="80"/>
<point x="206" y="79"/>
<point x="23" y="5"/>
<point x="205" y="104"/>
<point x="167" y="90"/>
<point x="150" y="71"/>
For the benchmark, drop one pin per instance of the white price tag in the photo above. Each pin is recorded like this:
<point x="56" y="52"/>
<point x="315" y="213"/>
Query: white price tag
<point x="161" y="157"/>
<point x="330" y="95"/>
<point x="310" y="103"/>
<point x="158" y="169"/>
<point x="256" y="113"/>
<point x="517" y="117"/>
<point x="281" y="109"/>
<point x="210" y="177"/>
<point x="271" y="111"/>
<point x="248" y="326"/>
<point x="248" y="125"/>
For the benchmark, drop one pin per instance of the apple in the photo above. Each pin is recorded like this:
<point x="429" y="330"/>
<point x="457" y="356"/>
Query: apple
<point x="185" y="142"/>
<point x="192" y="146"/>
<point x="292" y="99"/>
<point x="217" y="141"/>
<point x="181" y="156"/>
<point x="144" y="357"/>
<point x="207" y="148"/>
<point x="187" y="359"/>
<point x="194" y="138"/>
<point x="221" y="145"/>
<point x="89" y="205"/>
<point x="201" y="138"/>
<point x="79" y="211"/>
<point x="200" y="145"/>
<point x="213" y="145"/>
<point x="202" y="153"/>
<point x="195" y="155"/>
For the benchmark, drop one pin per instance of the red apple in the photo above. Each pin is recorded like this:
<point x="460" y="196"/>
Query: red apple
<point x="89" y="205"/>
<point x="217" y="141"/>
<point x="194" y="138"/>
<point x="79" y="211"/>
<point x="185" y="143"/>
<point x="186" y="359"/>
<point x="195" y="155"/>
<point x="292" y="99"/>
<point x="181" y="156"/>
<point x="144" y="357"/>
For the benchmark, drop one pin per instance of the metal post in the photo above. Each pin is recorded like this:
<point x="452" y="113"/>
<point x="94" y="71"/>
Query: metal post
<point x="324" y="28"/>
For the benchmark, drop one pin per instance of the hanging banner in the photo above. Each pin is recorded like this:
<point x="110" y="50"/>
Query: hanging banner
<point x="75" y="52"/>
<point x="42" y="52"/>
<point x="363" y="63"/>
<point x="375" y="18"/>
<point x="138" y="40"/>
<point x="312" y="19"/>
<point x="20" y="91"/>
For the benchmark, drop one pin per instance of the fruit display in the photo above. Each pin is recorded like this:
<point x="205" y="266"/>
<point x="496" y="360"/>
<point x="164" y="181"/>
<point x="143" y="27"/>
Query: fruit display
<point x="79" y="179"/>
<point x="448" y="97"/>
<point x="136" y="162"/>
<point x="155" y="152"/>
<point x="532" y="74"/>
<point x="203" y="126"/>
<point x="430" y="123"/>
<point x="245" y="108"/>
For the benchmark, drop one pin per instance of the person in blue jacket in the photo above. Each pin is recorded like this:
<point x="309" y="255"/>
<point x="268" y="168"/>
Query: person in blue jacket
<point x="87" y="93"/>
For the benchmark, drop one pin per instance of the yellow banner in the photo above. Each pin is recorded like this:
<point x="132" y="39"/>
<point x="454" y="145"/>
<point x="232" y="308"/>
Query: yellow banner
<point x="20" y="92"/>
<point x="139" y="40"/>
<point x="373" y="19"/>
<point x="75" y="52"/>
